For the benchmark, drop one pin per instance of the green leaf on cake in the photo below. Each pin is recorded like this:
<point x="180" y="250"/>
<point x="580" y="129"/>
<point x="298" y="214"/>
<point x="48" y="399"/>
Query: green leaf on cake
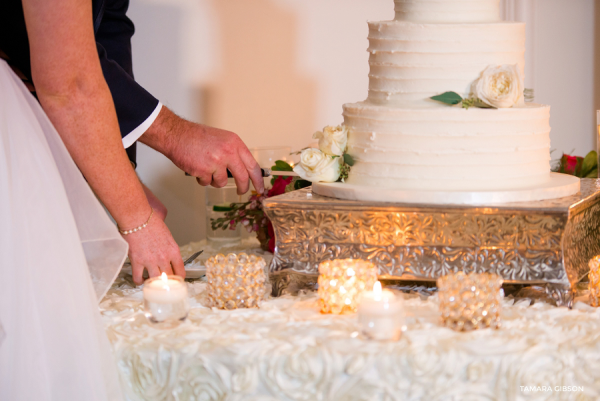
<point x="280" y="165"/>
<point x="349" y="160"/>
<point x="590" y="163"/>
<point x="450" y="98"/>
<point x="299" y="184"/>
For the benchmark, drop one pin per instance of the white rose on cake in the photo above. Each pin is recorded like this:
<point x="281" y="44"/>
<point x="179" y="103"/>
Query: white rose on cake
<point x="332" y="140"/>
<point x="500" y="86"/>
<point x="316" y="166"/>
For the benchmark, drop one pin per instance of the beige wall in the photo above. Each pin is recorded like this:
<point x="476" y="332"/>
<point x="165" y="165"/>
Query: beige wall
<point x="274" y="71"/>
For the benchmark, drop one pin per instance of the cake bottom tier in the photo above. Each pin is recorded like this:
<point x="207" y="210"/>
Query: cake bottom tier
<point x="448" y="148"/>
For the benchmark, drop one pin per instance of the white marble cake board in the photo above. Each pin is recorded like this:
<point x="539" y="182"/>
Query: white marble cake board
<point x="559" y="185"/>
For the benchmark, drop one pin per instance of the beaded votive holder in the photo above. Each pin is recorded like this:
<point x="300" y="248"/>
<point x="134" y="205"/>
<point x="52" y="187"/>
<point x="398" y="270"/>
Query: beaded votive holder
<point x="342" y="281"/>
<point x="470" y="302"/>
<point x="236" y="281"/>
<point x="594" y="278"/>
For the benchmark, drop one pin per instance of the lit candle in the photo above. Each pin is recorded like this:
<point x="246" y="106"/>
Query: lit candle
<point x="380" y="314"/>
<point x="165" y="298"/>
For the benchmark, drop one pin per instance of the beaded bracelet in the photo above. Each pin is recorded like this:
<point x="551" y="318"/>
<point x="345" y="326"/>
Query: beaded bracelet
<point x="127" y="232"/>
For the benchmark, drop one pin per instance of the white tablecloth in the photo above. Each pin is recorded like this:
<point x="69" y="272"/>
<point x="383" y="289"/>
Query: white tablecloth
<point x="287" y="350"/>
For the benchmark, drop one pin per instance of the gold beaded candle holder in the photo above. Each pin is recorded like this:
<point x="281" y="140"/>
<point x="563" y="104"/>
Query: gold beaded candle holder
<point x="594" y="277"/>
<point x="342" y="281"/>
<point x="470" y="302"/>
<point x="236" y="281"/>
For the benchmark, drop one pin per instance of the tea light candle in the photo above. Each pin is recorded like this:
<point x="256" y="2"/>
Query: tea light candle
<point x="342" y="281"/>
<point x="594" y="278"/>
<point x="380" y="314"/>
<point x="165" y="298"/>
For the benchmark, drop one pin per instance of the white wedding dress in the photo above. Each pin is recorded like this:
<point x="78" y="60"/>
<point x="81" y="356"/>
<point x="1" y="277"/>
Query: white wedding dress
<point x="59" y="254"/>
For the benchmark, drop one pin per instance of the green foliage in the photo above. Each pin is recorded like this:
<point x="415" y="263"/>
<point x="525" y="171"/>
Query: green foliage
<point x="450" y="98"/>
<point x="589" y="164"/>
<point x="348" y="159"/>
<point x="280" y="165"/>
<point x="223" y="208"/>
<point x="300" y="183"/>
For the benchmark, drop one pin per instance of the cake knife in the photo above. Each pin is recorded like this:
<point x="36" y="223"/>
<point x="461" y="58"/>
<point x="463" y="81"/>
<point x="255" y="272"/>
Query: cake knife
<point x="266" y="172"/>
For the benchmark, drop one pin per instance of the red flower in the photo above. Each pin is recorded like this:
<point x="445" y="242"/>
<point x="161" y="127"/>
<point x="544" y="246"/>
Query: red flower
<point x="279" y="186"/>
<point x="570" y="164"/>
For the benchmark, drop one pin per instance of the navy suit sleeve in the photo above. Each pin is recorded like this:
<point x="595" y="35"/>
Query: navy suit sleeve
<point x="113" y="39"/>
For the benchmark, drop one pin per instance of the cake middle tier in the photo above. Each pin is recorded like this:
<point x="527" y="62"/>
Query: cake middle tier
<point x="450" y="148"/>
<point x="410" y="62"/>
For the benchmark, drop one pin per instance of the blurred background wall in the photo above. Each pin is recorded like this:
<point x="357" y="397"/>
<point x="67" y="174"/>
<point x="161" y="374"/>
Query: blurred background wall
<point x="275" y="71"/>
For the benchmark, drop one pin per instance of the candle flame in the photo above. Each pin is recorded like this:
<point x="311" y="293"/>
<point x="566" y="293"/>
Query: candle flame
<point x="377" y="292"/>
<point x="164" y="277"/>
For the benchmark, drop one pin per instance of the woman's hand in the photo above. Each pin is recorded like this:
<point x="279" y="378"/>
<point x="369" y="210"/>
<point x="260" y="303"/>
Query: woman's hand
<point x="154" y="249"/>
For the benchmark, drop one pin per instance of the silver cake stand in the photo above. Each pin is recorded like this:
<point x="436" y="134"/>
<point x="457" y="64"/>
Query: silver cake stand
<point x="546" y="244"/>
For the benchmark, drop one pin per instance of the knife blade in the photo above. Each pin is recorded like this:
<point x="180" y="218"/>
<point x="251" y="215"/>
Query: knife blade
<point x="266" y="172"/>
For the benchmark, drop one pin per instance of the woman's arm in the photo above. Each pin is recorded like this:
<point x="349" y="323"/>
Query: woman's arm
<point x="72" y="90"/>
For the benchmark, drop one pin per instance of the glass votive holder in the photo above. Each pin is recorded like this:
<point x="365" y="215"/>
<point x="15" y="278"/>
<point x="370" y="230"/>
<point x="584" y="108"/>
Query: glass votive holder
<point x="594" y="279"/>
<point x="470" y="302"/>
<point x="342" y="281"/>
<point x="236" y="281"/>
<point x="380" y="314"/>
<point x="166" y="300"/>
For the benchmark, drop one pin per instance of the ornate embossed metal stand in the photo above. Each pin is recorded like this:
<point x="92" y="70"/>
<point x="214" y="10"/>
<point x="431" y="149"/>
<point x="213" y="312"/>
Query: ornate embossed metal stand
<point x="545" y="243"/>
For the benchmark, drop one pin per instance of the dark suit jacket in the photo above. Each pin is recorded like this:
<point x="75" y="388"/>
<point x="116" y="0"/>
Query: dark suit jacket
<point x="113" y="40"/>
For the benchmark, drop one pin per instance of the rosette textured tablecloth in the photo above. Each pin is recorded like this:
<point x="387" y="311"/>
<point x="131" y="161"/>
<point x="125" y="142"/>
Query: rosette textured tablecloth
<point x="287" y="350"/>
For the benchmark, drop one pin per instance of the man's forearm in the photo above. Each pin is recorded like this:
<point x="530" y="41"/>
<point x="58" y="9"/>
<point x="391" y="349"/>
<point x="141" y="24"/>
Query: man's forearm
<point x="164" y="134"/>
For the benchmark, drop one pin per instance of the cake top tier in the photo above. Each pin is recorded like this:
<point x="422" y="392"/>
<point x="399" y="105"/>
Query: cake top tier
<point x="447" y="11"/>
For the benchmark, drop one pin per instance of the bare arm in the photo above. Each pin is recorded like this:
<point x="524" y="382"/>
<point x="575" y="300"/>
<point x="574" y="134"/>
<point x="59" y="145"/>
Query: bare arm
<point x="72" y="90"/>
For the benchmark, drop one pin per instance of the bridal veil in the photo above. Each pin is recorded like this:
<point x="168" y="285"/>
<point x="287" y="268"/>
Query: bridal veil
<point x="59" y="254"/>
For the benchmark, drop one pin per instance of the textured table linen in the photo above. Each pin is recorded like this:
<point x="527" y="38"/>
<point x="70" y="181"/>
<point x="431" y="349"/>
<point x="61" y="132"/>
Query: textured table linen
<point x="287" y="350"/>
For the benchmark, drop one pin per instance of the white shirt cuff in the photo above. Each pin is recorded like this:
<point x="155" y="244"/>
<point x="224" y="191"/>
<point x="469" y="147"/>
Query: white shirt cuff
<point x="134" y="135"/>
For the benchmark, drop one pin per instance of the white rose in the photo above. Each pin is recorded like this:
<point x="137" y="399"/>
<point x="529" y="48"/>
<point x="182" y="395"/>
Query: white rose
<point x="316" y="166"/>
<point x="500" y="86"/>
<point x="332" y="140"/>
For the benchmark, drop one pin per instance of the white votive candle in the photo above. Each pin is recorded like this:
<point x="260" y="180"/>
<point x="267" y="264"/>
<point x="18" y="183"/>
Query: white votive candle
<point x="380" y="314"/>
<point x="165" y="299"/>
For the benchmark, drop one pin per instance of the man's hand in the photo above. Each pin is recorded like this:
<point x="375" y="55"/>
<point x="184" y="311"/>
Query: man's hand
<point x="204" y="152"/>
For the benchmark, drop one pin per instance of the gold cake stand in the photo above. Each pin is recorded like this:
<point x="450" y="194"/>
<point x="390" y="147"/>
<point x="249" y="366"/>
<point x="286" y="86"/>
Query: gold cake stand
<point x="546" y="244"/>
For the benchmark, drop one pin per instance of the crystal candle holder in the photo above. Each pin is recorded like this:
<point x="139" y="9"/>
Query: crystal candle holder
<point x="236" y="281"/>
<point x="166" y="300"/>
<point x="594" y="278"/>
<point x="342" y="281"/>
<point x="470" y="302"/>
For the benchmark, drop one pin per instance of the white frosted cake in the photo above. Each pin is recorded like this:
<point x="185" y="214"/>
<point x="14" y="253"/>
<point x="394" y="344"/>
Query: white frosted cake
<point x="401" y="139"/>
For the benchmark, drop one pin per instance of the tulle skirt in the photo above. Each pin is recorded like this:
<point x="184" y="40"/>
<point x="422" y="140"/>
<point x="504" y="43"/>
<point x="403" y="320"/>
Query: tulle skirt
<point x="59" y="254"/>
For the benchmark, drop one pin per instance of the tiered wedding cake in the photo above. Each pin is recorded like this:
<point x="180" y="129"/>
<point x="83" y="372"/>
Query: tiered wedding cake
<point x="409" y="145"/>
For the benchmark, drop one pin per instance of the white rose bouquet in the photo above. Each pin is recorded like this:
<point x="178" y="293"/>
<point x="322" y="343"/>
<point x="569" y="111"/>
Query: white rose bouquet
<point x="330" y="162"/>
<point x="499" y="86"/>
